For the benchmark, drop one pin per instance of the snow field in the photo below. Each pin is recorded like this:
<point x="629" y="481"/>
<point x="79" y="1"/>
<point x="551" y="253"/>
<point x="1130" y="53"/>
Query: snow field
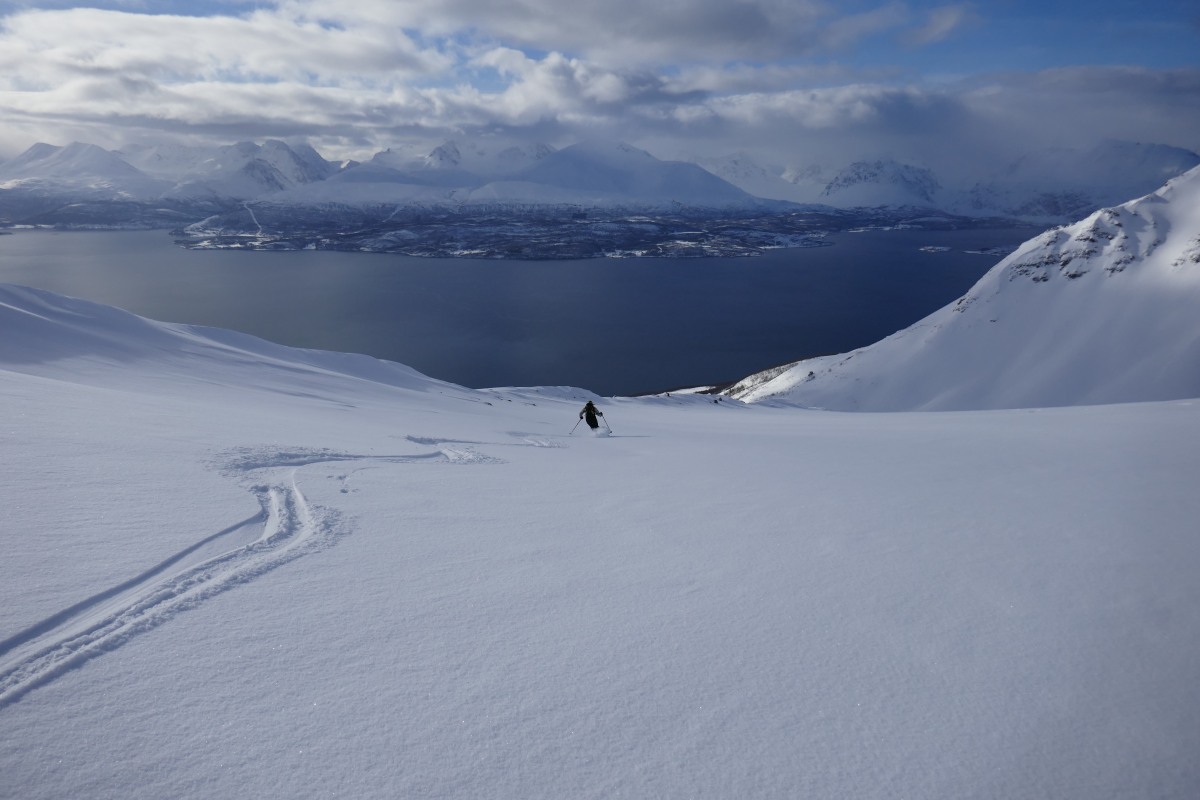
<point x="716" y="601"/>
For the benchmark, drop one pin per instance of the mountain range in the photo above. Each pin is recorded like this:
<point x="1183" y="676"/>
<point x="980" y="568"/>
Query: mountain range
<point x="587" y="174"/>
<point x="166" y="185"/>
<point x="1050" y="186"/>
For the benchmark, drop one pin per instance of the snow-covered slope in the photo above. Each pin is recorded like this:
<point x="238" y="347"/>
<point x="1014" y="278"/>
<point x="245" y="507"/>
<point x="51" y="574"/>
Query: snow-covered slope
<point x="232" y="569"/>
<point x="1102" y="311"/>
<point x="881" y="183"/>
<point x="247" y="170"/>
<point x="62" y="335"/>
<point x="78" y="170"/>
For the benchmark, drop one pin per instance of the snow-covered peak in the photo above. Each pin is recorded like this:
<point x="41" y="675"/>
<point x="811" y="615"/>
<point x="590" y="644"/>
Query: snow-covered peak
<point x="247" y="170"/>
<point x="483" y="159"/>
<point x="78" y="167"/>
<point x="443" y="156"/>
<point x="881" y="182"/>
<point x="40" y="153"/>
<point x="1101" y="311"/>
<point x="298" y="163"/>
<point x="48" y="161"/>
<point x="486" y="159"/>
<point x="240" y="171"/>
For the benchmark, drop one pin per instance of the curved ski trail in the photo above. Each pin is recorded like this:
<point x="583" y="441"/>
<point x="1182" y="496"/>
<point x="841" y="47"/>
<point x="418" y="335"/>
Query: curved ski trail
<point x="290" y="528"/>
<point x="101" y="623"/>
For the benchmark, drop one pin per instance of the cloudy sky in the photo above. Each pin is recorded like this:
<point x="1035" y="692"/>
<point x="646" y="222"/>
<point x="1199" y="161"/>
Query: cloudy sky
<point x="796" y="81"/>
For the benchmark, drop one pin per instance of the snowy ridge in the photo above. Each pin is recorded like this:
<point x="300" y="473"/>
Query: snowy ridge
<point x="1102" y="311"/>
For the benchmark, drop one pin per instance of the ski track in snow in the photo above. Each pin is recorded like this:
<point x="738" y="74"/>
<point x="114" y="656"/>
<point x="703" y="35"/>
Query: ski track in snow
<point x="287" y="527"/>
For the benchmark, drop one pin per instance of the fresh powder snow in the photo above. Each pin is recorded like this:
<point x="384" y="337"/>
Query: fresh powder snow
<point x="236" y="569"/>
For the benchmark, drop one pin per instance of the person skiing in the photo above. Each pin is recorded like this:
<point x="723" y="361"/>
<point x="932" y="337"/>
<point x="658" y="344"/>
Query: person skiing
<point x="590" y="412"/>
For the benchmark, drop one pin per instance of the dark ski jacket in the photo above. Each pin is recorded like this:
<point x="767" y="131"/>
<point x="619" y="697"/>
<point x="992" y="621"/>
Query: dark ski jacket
<point x="590" y="412"/>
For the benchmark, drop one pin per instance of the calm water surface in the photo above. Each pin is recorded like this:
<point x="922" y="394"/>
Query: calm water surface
<point x="615" y="326"/>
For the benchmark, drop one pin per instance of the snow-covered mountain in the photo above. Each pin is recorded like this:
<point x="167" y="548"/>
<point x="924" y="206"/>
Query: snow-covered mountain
<point x="451" y="165"/>
<point x="1051" y="186"/>
<point x="1101" y="311"/>
<point x="476" y="158"/>
<point x="882" y="183"/>
<point x="246" y="170"/>
<point x="73" y="184"/>
<point x="586" y="174"/>
<point x="153" y="185"/>
<point x="484" y="158"/>
<point x="153" y="172"/>
<point x="78" y="170"/>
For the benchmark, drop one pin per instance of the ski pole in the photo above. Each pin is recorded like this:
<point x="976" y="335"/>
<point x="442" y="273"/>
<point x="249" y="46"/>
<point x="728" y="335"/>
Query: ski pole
<point x="576" y="426"/>
<point x="605" y="421"/>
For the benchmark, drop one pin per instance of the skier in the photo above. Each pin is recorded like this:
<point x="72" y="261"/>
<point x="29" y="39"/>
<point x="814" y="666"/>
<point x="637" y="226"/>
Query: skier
<point x="590" y="412"/>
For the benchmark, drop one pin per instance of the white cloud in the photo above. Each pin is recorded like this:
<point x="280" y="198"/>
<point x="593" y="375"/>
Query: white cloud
<point x="627" y="31"/>
<point x="38" y="49"/>
<point x="939" y="24"/>
<point x="354" y="77"/>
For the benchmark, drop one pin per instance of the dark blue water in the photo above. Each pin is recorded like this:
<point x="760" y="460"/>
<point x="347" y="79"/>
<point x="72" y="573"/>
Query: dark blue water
<point x="618" y="327"/>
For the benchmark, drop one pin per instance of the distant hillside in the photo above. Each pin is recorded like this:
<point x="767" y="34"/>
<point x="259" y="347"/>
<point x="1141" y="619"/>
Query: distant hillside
<point x="1052" y="186"/>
